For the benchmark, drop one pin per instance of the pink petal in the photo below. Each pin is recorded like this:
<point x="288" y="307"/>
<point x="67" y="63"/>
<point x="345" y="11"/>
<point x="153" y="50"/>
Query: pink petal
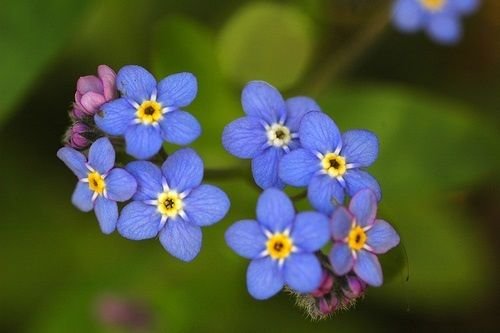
<point x="89" y="83"/>
<point x="92" y="101"/>
<point x="108" y="78"/>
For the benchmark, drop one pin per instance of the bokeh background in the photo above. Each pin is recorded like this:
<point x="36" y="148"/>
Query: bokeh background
<point x="435" y="108"/>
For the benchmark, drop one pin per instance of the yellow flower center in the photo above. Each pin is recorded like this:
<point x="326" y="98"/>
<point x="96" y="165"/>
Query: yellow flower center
<point x="279" y="246"/>
<point x="433" y="5"/>
<point x="333" y="164"/>
<point x="356" y="238"/>
<point x="96" y="182"/>
<point x="149" y="112"/>
<point x="169" y="204"/>
<point x="278" y="135"/>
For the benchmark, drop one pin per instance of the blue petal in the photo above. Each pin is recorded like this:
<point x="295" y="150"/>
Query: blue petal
<point x="297" y="108"/>
<point x="363" y="206"/>
<point x="466" y="6"/>
<point x="115" y="117"/>
<point x="265" y="168"/>
<point x="359" y="147"/>
<point x="303" y="272"/>
<point x="139" y="221"/>
<point x="341" y="223"/>
<point x="183" y="170"/>
<point x="357" y="180"/>
<point x="206" y="205"/>
<point x="246" y="239"/>
<point x="319" y="133"/>
<point x="107" y="214"/>
<point x="310" y="231"/>
<point x="181" y="239"/>
<point x="74" y="160"/>
<point x="408" y="15"/>
<point x="298" y="167"/>
<point x="177" y="90"/>
<point x="367" y="268"/>
<point x="180" y="127"/>
<point x="148" y="177"/>
<point x="245" y="137"/>
<point x="102" y="155"/>
<point x="445" y="29"/>
<point x="275" y="210"/>
<point x="82" y="197"/>
<point x="262" y="100"/>
<point x="264" y="278"/>
<point x="136" y="83"/>
<point x="142" y="141"/>
<point x="325" y="193"/>
<point x="381" y="237"/>
<point x="120" y="185"/>
<point x="341" y="258"/>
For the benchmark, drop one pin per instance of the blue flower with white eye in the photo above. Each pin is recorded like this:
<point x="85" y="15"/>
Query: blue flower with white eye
<point x="329" y="163"/>
<point x="281" y="246"/>
<point x="439" y="18"/>
<point x="149" y="113"/>
<point x="100" y="185"/>
<point x="268" y="131"/>
<point x="358" y="236"/>
<point x="171" y="202"/>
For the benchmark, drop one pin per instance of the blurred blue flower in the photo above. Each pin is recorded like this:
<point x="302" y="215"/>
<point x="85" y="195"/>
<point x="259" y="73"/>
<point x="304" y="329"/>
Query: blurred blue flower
<point x="440" y="18"/>
<point x="172" y="202"/>
<point x="330" y="164"/>
<point x="358" y="237"/>
<point x="281" y="246"/>
<point x="149" y="113"/>
<point x="100" y="186"/>
<point x="268" y="131"/>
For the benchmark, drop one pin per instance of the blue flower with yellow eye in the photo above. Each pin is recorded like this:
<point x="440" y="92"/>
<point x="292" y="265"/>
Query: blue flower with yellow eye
<point x="268" y="131"/>
<point x="171" y="202"/>
<point x="439" y="18"/>
<point x="329" y="163"/>
<point x="149" y="113"/>
<point x="100" y="185"/>
<point x="358" y="236"/>
<point x="281" y="246"/>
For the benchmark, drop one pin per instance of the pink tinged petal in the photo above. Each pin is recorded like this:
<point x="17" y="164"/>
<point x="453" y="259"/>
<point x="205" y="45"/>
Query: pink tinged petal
<point x="310" y="231"/>
<point x="319" y="133"/>
<point x="136" y="83"/>
<point x="341" y="224"/>
<point x="367" y="268"/>
<point x="179" y="127"/>
<point x="265" y="168"/>
<point x="181" y="239"/>
<point x="246" y="239"/>
<point x="245" y="137"/>
<point x="102" y="155"/>
<point x="359" y="147"/>
<point x="142" y="141"/>
<point x="298" y="167"/>
<point x="92" y="101"/>
<point x="303" y="272"/>
<point x="262" y="100"/>
<point x="381" y="237"/>
<point x="82" y="197"/>
<point x="177" y="90"/>
<point x="139" y="221"/>
<point x="341" y="258"/>
<point x="108" y="78"/>
<point x="74" y="160"/>
<point x="183" y="170"/>
<point x="89" y="83"/>
<point x="264" y="278"/>
<point x="206" y="205"/>
<point x="107" y="214"/>
<point x="275" y="210"/>
<point x="363" y="206"/>
<point x="120" y="185"/>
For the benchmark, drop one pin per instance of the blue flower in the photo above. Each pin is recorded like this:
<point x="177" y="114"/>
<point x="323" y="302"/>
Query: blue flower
<point x="358" y="236"/>
<point x="149" y="113"/>
<point x="171" y="202"/>
<point x="329" y="164"/>
<point x="100" y="185"/>
<point x="268" y="131"/>
<point x="281" y="246"/>
<point x="440" y="18"/>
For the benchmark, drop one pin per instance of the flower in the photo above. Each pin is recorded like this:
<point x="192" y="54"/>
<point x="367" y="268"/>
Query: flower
<point x="440" y="18"/>
<point x="149" y="113"/>
<point x="93" y="91"/>
<point x="281" y="246"/>
<point x="77" y="136"/>
<point x="267" y="132"/>
<point x="329" y="164"/>
<point x="172" y="202"/>
<point x="100" y="185"/>
<point x="358" y="237"/>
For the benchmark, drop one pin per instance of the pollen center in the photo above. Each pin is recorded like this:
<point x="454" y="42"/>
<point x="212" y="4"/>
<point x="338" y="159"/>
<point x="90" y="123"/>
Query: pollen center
<point x="333" y="164"/>
<point x="278" y="135"/>
<point x="279" y="246"/>
<point x="149" y="112"/>
<point x="433" y="5"/>
<point x="356" y="238"/>
<point x="96" y="182"/>
<point x="169" y="204"/>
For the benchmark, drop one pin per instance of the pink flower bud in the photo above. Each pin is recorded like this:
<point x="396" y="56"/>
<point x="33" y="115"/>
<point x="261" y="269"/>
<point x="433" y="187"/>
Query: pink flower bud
<point x="77" y="137"/>
<point x="355" y="287"/>
<point x="326" y="285"/>
<point x="326" y="306"/>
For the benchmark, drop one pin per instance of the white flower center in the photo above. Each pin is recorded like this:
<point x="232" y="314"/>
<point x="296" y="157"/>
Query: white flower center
<point x="278" y="135"/>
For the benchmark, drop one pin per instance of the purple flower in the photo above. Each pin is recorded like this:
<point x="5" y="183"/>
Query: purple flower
<point x="93" y="91"/>
<point x="149" y="113"/>
<point x="100" y="185"/>
<point x="281" y="246"/>
<point x="358" y="236"/>
<point x="77" y="136"/>
<point x="268" y="131"/>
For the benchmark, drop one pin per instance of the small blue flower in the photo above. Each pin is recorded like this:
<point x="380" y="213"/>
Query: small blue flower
<point x="329" y="164"/>
<point x="149" y="113"/>
<point x="440" y="18"/>
<point x="268" y="131"/>
<point x="172" y="202"/>
<point x="358" y="236"/>
<point x="281" y="246"/>
<point x="100" y="185"/>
